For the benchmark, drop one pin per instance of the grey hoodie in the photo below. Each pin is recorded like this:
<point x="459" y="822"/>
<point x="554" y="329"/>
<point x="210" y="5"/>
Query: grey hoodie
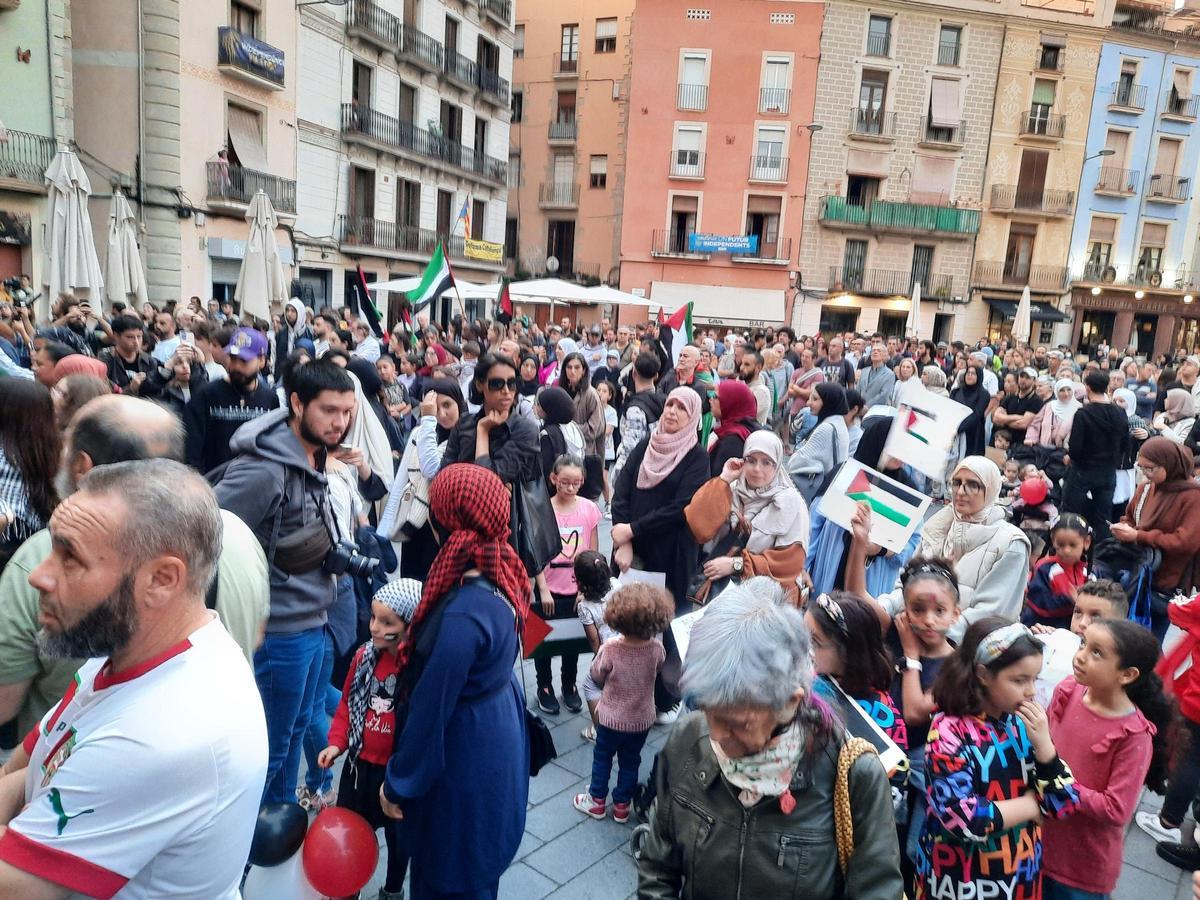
<point x="270" y="467"/>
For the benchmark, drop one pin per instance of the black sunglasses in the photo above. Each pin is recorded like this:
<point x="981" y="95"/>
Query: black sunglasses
<point x="499" y="384"/>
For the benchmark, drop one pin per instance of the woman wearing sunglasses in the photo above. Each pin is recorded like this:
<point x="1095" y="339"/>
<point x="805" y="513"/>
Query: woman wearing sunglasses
<point x="990" y="555"/>
<point x="496" y="437"/>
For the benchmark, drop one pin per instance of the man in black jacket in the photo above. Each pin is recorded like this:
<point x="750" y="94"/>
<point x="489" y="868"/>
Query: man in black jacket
<point x="221" y="407"/>
<point x="1098" y="443"/>
<point x="129" y="367"/>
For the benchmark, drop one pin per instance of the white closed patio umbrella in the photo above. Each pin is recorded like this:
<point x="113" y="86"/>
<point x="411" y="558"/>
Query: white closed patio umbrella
<point x="69" y="250"/>
<point x="912" y="325"/>
<point x="261" y="281"/>
<point x="124" y="275"/>
<point x="1021" y="325"/>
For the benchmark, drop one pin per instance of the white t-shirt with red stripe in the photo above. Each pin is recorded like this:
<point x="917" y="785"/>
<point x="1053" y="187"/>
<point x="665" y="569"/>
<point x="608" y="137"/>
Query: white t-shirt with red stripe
<point x="147" y="783"/>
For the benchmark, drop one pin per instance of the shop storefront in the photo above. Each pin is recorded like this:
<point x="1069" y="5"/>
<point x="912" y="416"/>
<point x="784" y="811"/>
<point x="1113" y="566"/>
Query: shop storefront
<point x="1042" y="319"/>
<point x="1152" y="325"/>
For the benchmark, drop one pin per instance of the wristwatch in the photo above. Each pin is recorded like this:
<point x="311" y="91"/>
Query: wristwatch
<point x="737" y="565"/>
<point x="912" y="664"/>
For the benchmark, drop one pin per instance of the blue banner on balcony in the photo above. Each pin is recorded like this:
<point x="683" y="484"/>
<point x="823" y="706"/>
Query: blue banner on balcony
<point x="745" y="244"/>
<point x="248" y="54"/>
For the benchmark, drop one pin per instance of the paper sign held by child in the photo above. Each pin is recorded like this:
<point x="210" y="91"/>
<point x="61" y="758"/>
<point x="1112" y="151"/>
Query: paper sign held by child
<point x="924" y="430"/>
<point x="896" y="510"/>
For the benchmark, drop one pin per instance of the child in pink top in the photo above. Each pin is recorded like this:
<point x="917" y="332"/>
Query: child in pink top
<point x="1109" y="723"/>
<point x="625" y="668"/>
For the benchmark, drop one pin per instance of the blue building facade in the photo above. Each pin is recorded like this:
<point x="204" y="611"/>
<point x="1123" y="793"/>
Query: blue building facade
<point x="1134" y="234"/>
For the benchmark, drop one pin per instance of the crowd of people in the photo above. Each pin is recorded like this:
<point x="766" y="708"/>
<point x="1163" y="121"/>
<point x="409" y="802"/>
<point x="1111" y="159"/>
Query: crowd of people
<point x="227" y="545"/>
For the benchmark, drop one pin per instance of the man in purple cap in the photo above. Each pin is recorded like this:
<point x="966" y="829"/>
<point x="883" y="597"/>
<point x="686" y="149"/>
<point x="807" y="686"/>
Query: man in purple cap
<point x="217" y="410"/>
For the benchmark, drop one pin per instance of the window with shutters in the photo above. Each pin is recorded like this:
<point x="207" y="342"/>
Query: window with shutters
<point x="478" y="218"/>
<point x="1101" y="237"/>
<point x="775" y="93"/>
<point x="606" y="35"/>
<point x="1154" y="239"/>
<point x="1041" y="105"/>
<point x="245" y="138"/>
<point x="599" y="172"/>
<point x="519" y="42"/>
<point x="688" y="153"/>
<point x="445" y="205"/>
<point x="693" y="81"/>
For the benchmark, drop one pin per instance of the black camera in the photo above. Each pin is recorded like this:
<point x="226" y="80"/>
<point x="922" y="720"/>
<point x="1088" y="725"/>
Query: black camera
<point x="344" y="559"/>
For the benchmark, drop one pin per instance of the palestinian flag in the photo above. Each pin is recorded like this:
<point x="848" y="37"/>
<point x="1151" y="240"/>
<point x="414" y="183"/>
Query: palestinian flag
<point x="362" y="304"/>
<point x="675" y="332"/>
<point x="894" y="502"/>
<point x="912" y="423"/>
<point x="504" y="306"/>
<point x="436" y="280"/>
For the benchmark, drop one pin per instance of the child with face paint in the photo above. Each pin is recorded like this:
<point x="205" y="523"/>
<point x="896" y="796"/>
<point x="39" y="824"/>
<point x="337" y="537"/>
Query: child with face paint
<point x="365" y="721"/>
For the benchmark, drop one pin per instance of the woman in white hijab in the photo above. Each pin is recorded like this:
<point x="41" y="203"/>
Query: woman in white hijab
<point x="1138" y="433"/>
<point x="753" y="515"/>
<point x="990" y="554"/>
<point x="1052" y="425"/>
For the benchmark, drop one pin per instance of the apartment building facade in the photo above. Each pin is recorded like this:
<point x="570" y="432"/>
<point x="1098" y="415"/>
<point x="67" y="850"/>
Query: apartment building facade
<point x="1039" y="133"/>
<point x="720" y="101"/>
<point x="36" y="114"/>
<point x="190" y="110"/>
<point x="403" y="141"/>
<point x="567" y="138"/>
<point x="1132" y="248"/>
<point x="904" y="104"/>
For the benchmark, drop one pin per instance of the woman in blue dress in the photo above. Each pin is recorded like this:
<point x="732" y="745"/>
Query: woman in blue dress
<point x="459" y="776"/>
<point x="828" y="543"/>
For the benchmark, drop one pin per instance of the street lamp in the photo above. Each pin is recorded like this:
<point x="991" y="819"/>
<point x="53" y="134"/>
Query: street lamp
<point x="1107" y="151"/>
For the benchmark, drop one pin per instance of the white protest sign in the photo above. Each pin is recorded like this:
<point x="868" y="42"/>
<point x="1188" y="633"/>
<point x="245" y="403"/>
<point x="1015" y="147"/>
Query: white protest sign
<point x="896" y="510"/>
<point x="924" y="430"/>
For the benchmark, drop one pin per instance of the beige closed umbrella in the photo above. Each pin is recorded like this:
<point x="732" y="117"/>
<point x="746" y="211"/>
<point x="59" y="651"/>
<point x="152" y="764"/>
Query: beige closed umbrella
<point x="1021" y="324"/>
<point x="69" y="250"/>
<point x="261" y="281"/>
<point x="912" y="325"/>
<point x="124" y="274"/>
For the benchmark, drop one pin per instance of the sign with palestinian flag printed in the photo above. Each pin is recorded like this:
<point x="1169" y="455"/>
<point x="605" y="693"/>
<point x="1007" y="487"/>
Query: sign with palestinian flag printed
<point x="896" y="510"/>
<point x="924" y="430"/>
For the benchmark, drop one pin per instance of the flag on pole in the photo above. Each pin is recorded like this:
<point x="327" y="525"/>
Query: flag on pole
<point x="362" y="304"/>
<point x="504" y="306"/>
<point x="675" y="332"/>
<point x="436" y="280"/>
<point x="464" y="215"/>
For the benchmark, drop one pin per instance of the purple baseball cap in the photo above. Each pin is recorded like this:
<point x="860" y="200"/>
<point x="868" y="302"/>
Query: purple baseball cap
<point x="247" y="343"/>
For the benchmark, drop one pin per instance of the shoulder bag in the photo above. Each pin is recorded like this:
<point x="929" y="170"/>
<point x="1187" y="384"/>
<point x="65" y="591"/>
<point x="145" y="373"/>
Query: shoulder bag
<point x="700" y="588"/>
<point x="534" y="528"/>
<point x="414" y="502"/>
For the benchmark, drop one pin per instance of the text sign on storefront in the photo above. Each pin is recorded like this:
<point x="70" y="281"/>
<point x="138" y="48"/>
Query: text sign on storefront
<point x="745" y="244"/>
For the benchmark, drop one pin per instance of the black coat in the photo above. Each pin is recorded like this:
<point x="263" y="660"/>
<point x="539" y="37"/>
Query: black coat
<point x="661" y="539"/>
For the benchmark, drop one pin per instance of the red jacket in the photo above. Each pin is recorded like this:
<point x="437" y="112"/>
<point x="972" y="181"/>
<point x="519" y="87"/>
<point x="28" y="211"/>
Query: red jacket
<point x="379" y="732"/>
<point x="1186" y="687"/>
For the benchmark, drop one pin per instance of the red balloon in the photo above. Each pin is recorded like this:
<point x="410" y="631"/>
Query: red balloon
<point x="340" y="852"/>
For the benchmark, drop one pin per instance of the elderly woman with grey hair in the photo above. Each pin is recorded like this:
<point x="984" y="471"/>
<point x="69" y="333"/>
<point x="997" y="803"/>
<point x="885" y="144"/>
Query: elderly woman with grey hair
<point x="745" y="796"/>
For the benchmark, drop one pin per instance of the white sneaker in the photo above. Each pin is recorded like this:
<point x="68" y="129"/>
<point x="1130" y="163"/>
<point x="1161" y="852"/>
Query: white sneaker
<point x="1150" y="823"/>
<point x="668" y="717"/>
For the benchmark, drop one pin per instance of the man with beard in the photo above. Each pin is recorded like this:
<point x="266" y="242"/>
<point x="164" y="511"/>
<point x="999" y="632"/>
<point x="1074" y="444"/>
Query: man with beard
<point x="750" y="372"/>
<point x="220" y="408"/>
<point x="165" y="338"/>
<point x="110" y="429"/>
<point x="146" y="778"/>
<point x="295" y="327"/>
<point x="325" y="328"/>
<point x="276" y="484"/>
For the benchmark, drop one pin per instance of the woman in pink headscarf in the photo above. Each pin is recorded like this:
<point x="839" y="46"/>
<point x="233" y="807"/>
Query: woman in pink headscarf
<point x="659" y="479"/>
<point x="78" y="364"/>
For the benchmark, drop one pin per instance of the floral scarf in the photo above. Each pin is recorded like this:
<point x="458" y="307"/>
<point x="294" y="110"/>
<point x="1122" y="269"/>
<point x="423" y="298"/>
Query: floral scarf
<point x="767" y="773"/>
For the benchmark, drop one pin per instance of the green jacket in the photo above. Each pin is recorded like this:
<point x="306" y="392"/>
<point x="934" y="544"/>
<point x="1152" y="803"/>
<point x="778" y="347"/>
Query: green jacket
<point x="704" y="844"/>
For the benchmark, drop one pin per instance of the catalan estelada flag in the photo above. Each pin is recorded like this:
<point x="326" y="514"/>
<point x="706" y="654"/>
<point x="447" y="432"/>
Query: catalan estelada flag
<point x="892" y="501"/>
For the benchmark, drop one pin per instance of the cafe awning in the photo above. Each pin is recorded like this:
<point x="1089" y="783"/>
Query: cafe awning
<point x="1043" y="312"/>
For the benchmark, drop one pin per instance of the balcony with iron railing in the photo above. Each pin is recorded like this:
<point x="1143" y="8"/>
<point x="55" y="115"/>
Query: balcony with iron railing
<point x="1168" y="189"/>
<point x="1176" y="106"/>
<point x="687" y="164"/>
<point x="377" y="130"/>
<point x="879" y="44"/>
<point x="948" y="54"/>
<point x="1127" y="95"/>
<point x="1014" y="198"/>
<point x="459" y="68"/>
<point x="1138" y="19"/>
<point x="1014" y="274"/>
<point x="1037" y="123"/>
<point x="776" y="252"/>
<point x="230" y="189"/>
<point x="889" y="282"/>
<point x="493" y="87"/>
<point x="873" y="124"/>
<point x="882" y="216"/>
<point x="391" y="237"/>
<point x="774" y="100"/>
<point x="692" y="97"/>
<point x="249" y="59"/>
<point x="1117" y="182"/>
<point x="672" y="242"/>
<point x="768" y="168"/>
<point x="562" y="132"/>
<point x="567" y="67"/>
<point x="500" y="10"/>
<point x="558" y="195"/>
<point x="370" y="22"/>
<point x="24" y="158"/>
<point x="942" y="135"/>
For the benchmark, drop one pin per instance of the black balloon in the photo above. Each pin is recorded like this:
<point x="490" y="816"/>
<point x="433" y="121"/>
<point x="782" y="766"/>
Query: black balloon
<point x="278" y="833"/>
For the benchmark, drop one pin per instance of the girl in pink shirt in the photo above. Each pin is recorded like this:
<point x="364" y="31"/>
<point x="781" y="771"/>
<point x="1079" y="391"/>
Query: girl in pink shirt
<point x="1110" y="724"/>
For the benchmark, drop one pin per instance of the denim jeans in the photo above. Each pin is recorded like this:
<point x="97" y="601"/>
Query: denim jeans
<point x="1053" y="890"/>
<point x="316" y="736"/>
<point x="287" y="668"/>
<point x="627" y="746"/>
<point x="1184" y="779"/>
